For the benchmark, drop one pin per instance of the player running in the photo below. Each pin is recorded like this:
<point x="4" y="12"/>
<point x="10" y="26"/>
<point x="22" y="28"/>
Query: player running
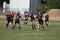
<point x="40" y="21"/>
<point x="26" y="15"/>
<point x="32" y="20"/>
<point x="8" y="18"/>
<point x="12" y="17"/>
<point x="46" y="19"/>
<point x="17" y="20"/>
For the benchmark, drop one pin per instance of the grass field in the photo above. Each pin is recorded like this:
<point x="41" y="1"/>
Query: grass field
<point x="52" y="32"/>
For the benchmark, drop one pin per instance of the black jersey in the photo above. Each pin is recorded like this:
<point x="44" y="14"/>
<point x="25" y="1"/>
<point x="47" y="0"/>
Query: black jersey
<point x="32" y="17"/>
<point x="17" y="18"/>
<point x="8" y="16"/>
<point x="40" y="16"/>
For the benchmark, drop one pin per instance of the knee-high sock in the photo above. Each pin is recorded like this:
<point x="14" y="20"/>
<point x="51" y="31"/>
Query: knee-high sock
<point x="13" y="27"/>
<point x="34" y="27"/>
<point x="6" y="25"/>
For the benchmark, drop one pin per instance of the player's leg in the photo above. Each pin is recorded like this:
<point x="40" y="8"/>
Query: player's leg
<point x="25" y="21"/>
<point x="42" y="24"/>
<point x="34" y="25"/>
<point x="7" y="23"/>
<point x="46" y="23"/>
<point x="11" y="22"/>
<point x="38" y="26"/>
<point x="19" y="25"/>
<point x="14" y="25"/>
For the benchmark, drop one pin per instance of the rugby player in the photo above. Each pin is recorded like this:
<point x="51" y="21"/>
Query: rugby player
<point x="17" y="21"/>
<point x="40" y="20"/>
<point x="26" y="15"/>
<point x="32" y="19"/>
<point x="46" y="19"/>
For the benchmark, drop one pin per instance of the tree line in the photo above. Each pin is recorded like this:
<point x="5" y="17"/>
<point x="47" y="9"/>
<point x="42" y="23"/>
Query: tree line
<point x="48" y="4"/>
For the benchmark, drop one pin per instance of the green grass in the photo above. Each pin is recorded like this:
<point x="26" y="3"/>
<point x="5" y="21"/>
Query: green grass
<point x="52" y="32"/>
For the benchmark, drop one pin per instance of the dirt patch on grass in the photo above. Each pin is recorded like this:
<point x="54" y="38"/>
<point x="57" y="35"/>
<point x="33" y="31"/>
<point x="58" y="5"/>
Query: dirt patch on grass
<point x="54" y="14"/>
<point x="2" y="16"/>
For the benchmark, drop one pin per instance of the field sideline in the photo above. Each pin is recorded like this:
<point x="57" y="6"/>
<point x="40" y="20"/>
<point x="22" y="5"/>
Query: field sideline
<point x="52" y="32"/>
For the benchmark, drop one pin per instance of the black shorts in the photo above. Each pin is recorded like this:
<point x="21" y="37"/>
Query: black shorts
<point x="46" y="20"/>
<point x="40" y="22"/>
<point x="26" y="19"/>
<point x="26" y="16"/>
<point x="17" y="22"/>
<point x="8" y="20"/>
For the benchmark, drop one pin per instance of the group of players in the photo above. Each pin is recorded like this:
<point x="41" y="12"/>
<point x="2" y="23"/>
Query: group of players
<point x="10" y="17"/>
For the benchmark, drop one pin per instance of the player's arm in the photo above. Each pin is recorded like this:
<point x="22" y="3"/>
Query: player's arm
<point x="48" y="17"/>
<point x="19" y="16"/>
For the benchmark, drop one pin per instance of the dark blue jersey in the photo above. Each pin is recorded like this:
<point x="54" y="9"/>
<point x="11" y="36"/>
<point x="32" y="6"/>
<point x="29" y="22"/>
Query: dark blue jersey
<point x="32" y="16"/>
<point x="17" y="18"/>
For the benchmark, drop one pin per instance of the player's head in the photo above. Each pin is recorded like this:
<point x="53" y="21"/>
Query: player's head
<point x="18" y="13"/>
